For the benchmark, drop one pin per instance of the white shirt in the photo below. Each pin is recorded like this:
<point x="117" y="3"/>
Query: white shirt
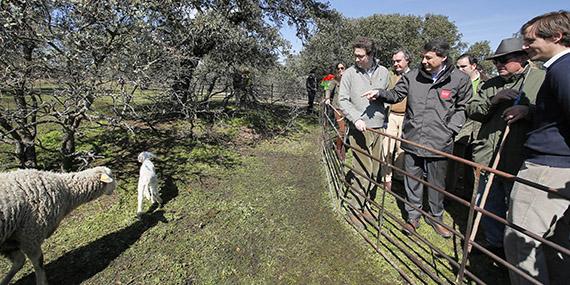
<point x="556" y="57"/>
<point x="434" y="76"/>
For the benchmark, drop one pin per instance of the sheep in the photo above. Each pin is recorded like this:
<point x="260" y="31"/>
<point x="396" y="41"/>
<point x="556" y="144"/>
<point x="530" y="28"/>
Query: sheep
<point x="33" y="203"/>
<point x="148" y="183"/>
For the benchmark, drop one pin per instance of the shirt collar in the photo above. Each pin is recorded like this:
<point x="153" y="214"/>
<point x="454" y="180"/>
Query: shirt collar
<point x="435" y="76"/>
<point x="556" y="57"/>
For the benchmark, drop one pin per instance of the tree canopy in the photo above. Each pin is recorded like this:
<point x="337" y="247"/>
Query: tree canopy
<point x="332" y="40"/>
<point x="57" y="58"/>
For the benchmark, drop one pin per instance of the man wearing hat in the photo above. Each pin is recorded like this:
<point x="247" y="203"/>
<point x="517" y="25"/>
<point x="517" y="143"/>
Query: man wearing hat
<point x="517" y="84"/>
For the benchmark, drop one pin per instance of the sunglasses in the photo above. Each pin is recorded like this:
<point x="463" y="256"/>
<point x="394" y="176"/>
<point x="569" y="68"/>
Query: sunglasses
<point x="503" y="59"/>
<point x="340" y="68"/>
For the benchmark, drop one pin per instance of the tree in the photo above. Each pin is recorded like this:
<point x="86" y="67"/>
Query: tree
<point x="23" y="63"/>
<point x="89" y="50"/>
<point x="482" y="50"/>
<point x="333" y="39"/>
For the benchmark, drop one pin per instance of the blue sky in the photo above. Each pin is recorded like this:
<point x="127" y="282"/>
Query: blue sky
<point x="477" y="20"/>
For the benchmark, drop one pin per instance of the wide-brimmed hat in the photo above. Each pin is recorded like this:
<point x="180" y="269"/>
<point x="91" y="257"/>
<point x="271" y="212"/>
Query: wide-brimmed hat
<point x="507" y="46"/>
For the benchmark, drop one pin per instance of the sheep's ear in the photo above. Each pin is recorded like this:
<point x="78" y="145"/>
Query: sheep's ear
<point x="106" y="178"/>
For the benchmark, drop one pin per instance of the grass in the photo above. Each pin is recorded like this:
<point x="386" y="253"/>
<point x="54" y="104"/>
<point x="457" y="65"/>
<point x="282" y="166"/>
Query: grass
<point x="245" y="203"/>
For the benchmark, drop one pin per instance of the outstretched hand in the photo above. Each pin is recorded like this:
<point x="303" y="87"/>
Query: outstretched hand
<point x="371" y="95"/>
<point x="360" y="125"/>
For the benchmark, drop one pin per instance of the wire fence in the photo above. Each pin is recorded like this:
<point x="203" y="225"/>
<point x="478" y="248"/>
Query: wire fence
<point x="423" y="257"/>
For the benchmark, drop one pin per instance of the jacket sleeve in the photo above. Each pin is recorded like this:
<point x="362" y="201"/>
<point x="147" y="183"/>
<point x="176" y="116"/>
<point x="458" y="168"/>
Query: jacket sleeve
<point x="344" y="102"/>
<point x="398" y="93"/>
<point x="479" y="108"/>
<point x="458" y="117"/>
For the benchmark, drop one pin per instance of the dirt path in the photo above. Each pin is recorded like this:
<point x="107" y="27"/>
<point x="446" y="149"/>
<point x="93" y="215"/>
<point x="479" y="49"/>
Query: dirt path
<point x="289" y="232"/>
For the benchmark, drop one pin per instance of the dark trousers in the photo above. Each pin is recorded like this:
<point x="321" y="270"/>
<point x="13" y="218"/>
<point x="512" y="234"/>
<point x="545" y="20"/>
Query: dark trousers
<point x="457" y="171"/>
<point x="432" y="168"/>
<point x="311" y="94"/>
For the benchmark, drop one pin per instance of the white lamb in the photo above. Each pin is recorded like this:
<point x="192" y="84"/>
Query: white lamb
<point x="33" y="203"/>
<point x="148" y="183"/>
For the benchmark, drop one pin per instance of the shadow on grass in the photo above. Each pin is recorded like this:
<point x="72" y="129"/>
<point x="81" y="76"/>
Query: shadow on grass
<point x="85" y="262"/>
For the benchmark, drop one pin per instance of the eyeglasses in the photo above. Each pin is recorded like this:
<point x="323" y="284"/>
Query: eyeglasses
<point x="340" y="68"/>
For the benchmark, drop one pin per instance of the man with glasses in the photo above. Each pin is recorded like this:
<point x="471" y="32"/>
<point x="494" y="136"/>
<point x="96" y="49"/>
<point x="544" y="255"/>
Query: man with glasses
<point x="366" y="74"/>
<point x="517" y="84"/>
<point x="546" y="38"/>
<point x="437" y="94"/>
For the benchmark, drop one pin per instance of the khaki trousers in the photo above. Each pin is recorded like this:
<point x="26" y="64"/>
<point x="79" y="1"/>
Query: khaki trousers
<point x="391" y="151"/>
<point x="371" y="144"/>
<point x="547" y="216"/>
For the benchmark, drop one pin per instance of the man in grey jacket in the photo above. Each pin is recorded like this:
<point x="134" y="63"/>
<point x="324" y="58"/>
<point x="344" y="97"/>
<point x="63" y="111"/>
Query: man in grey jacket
<point x="437" y="94"/>
<point x="367" y="74"/>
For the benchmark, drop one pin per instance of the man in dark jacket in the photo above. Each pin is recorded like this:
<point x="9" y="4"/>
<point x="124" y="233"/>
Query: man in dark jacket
<point x="311" y="85"/>
<point x="545" y="38"/>
<point x="437" y="94"/>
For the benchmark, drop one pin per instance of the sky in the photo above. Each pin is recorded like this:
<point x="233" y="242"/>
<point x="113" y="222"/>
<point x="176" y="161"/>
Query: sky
<point x="477" y="20"/>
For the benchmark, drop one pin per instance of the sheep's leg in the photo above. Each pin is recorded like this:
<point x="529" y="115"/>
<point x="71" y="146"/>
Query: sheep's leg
<point x="18" y="259"/>
<point x="140" y="199"/>
<point x="155" y="195"/>
<point x="36" y="256"/>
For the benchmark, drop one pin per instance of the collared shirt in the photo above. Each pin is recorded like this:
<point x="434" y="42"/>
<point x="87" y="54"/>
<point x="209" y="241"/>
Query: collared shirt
<point x="435" y="76"/>
<point x="556" y="57"/>
<point x="475" y="82"/>
<point x="370" y="70"/>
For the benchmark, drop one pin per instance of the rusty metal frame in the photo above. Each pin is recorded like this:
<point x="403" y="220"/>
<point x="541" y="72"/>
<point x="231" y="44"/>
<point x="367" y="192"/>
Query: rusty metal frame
<point x="337" y="168"/>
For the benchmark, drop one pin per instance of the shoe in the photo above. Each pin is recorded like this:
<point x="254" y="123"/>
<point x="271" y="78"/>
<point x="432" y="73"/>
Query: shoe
<point x="410" y="227"/>
<point x="388" y="185"/>
<point x="439" y="229"/>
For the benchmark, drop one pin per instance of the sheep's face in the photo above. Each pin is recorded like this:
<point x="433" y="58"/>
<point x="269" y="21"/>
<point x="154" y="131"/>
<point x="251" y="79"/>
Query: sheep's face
<point x="144" y="156"/>
<point x="109" y="182"/>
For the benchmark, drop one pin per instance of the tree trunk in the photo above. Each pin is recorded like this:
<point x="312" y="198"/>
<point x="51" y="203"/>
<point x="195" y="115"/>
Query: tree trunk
<point x="68" y="150"/>
<point x="26" y="152"/>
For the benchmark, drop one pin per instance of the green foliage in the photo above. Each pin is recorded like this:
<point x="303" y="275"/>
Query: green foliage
<point x="482" y="50"/>
<point x="333" y="40"/>
<point x="114" y="49"/>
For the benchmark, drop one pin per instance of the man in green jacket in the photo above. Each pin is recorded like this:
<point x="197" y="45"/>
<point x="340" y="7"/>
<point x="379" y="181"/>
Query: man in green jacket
<point x="517" y="84"/>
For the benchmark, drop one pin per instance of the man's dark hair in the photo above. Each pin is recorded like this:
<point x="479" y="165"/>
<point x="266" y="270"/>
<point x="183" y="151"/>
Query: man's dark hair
<point x="366" y="44"/>
<point x="439" y="46"/>
<point x="548" y="25"/>
<point x="406" y="53"/>
<point x="470" y="58"/>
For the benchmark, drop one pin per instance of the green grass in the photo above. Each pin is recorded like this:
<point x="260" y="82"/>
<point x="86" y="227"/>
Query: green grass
<point x="246" y="203"/>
